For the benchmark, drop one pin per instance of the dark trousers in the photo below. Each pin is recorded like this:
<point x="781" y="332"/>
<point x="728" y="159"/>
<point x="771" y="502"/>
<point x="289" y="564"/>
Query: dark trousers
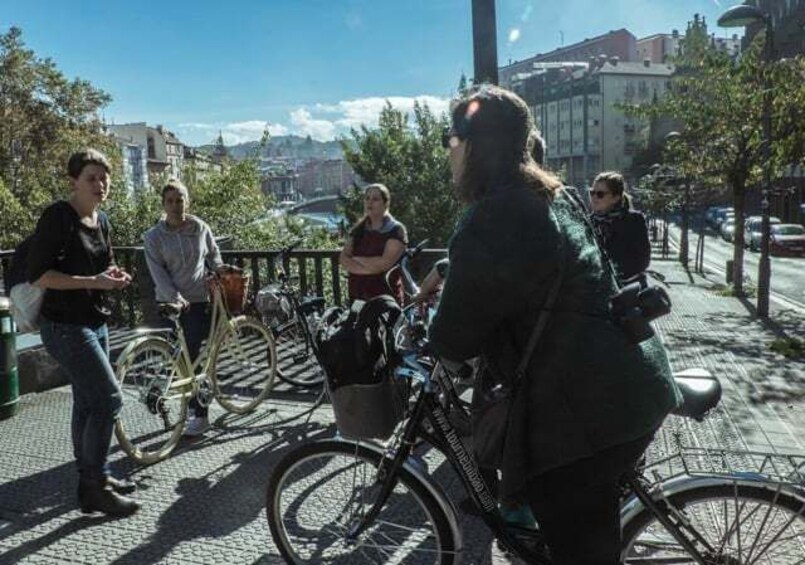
<point x="196" y="325"/>
<point x="577" y="506"/>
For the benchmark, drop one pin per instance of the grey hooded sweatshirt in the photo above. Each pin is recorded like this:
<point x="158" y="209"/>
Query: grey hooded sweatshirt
<point x="176" y="259"/>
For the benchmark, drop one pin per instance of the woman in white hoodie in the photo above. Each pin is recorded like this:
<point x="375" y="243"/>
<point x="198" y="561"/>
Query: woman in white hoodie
<point x="179" y="250"/>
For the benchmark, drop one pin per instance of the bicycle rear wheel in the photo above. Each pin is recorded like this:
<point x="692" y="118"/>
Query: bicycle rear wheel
<point x="152" y="419"/>
<point x="243" y="365"/>
<point x="742" y="524"/>
<point x="296" y="361"/>
<point x="320" y="490"/>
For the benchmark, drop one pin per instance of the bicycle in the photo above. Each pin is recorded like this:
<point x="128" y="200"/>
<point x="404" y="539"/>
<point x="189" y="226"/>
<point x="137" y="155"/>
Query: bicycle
<point x="292" y="319"/>
<point x="236" y="366"/>
<point x="348" y="501"/>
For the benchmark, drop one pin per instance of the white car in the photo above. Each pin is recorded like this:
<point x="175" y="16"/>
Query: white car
<point x="728" y="229"/>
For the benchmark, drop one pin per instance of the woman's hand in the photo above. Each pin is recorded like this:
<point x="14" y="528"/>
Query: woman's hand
<point x="112" y="280"/>
<point x="118" y="272"/>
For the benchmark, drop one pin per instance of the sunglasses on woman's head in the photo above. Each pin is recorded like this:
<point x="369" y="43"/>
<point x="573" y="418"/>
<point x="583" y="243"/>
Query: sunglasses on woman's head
<point x="598" y="193"/>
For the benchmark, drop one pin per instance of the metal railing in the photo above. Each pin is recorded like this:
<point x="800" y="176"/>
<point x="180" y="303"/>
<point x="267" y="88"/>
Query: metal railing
<point x="317" y="270"/>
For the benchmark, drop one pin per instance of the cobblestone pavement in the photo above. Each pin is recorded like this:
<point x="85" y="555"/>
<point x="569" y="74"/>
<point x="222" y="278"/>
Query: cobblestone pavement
<point x="205" y="503"/>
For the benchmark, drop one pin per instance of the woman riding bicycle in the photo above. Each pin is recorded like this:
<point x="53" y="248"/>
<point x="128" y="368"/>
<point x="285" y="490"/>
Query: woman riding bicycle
<point x="178" y="250"/>
<point x="591" y="399"/>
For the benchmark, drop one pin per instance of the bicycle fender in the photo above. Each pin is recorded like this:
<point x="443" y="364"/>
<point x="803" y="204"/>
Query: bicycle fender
<point x="433" y="487"/>
<point x="633" y="506"/>
<point x="134" y="343"/>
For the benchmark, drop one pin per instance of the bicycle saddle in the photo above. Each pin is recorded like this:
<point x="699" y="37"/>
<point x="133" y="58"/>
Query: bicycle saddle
<point x="700" y="390"/>
<point x="311" y="304"/>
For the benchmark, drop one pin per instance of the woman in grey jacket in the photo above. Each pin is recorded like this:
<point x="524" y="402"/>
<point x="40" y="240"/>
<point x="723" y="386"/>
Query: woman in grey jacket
<point x="179" y="250"/>
<point x="590" y="399"/>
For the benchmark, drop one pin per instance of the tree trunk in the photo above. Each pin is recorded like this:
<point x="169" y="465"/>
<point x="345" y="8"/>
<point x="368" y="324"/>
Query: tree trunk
<point x="739" y="204"/>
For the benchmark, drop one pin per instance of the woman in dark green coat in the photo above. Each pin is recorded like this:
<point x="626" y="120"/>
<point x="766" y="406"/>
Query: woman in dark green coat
<point x="591" y="400"/>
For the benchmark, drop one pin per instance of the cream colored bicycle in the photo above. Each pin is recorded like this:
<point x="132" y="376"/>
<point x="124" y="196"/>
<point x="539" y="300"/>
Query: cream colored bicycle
<point x="157" y="377"/>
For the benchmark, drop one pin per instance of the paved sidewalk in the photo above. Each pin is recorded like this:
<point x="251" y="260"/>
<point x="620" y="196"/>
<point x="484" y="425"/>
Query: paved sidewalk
<point x="205" y="503"/>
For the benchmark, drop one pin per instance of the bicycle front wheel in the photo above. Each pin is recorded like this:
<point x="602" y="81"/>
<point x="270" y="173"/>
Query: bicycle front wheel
<point x="243" y="365"/>
<point x="151" y="421"/>
<point x="321" y="490"/>
<point x="297" y="363"/>
<point x="739" y="523"/>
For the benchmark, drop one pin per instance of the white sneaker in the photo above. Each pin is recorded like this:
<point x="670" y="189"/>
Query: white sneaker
<point x="196" y="426"/>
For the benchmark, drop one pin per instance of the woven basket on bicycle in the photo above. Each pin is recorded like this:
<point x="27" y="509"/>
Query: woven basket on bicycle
<point x="235" y="288"/>
<point x="357" y="352"/>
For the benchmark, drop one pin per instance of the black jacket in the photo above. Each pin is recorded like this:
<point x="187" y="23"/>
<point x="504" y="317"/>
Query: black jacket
<point x="624" y="236"/>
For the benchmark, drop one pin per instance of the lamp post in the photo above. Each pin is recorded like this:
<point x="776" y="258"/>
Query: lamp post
<point x="741" y="16"/>
<point x="485" y="41"/>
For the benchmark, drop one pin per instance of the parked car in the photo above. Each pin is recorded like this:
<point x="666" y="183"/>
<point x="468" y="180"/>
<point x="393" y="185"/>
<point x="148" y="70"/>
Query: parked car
<point x="728" y="229"/>
<point x="787" y="239"/>
<point x="752" y="231"/>
<point x="715" y="216"/>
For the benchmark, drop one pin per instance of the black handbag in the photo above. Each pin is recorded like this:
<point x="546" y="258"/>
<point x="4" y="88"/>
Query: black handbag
<point x="494" y="391"/>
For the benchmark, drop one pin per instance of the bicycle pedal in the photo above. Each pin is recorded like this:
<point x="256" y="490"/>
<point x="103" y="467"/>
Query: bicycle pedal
<point x="300" y="358"/>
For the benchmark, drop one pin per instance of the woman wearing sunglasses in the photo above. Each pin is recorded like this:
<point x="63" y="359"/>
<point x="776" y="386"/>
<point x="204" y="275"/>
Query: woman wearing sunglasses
<point x="622" y="230"/>
<point x="588" y="400"/>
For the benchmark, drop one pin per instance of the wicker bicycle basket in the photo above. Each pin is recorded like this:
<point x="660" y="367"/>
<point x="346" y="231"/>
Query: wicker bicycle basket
<point x="235" y="288"/>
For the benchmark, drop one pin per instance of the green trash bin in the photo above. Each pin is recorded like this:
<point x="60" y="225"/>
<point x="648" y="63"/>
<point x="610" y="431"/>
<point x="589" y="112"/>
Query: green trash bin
<point x="9" y="380"/>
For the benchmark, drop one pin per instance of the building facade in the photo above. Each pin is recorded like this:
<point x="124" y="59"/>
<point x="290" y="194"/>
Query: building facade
<point x="135" y="169"/>
<point x="164" y="152"/>
<point x="576" y="106"/>
<point x="788" y="19"/>
<point x="324" y="177"/>
<point x="620" y="43"/>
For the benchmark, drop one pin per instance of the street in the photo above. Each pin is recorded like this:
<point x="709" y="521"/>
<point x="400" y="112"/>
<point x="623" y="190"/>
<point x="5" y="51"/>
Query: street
<point x="787" y="275"/>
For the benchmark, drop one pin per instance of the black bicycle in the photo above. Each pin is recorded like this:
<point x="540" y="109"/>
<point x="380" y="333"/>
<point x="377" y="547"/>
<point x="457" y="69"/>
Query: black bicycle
<point x="344" y="501"/>
<point x="292" y="319"/>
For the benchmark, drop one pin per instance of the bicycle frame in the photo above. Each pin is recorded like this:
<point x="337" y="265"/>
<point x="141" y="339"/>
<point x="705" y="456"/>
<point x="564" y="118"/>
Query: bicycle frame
<point x="188" y="367"/>
<point x="443" y="437"/>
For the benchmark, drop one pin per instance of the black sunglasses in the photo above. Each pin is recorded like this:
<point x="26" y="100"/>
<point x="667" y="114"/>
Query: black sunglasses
<point x="598" y="193"/>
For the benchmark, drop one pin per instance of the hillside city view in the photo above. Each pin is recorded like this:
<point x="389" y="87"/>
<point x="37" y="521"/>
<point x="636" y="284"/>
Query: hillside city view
<point x="438" y="282"/>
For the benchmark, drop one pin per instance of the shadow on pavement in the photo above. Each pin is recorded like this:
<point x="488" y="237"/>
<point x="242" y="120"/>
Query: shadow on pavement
<point x="209" y="508"/>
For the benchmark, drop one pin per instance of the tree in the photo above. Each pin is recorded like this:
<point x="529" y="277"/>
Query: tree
<point x="719" y="103"/>
<point x="44" y="117"/>
<point x="410" y="160"/>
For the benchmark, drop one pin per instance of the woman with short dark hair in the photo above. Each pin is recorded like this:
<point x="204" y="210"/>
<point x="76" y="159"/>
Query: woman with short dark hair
<point x="71" y="257"/>
<point x="622" y="230"/>
<point x="590" y="399"/>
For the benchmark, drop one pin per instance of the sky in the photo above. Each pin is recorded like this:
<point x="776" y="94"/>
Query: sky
<point x="307" y="67"/>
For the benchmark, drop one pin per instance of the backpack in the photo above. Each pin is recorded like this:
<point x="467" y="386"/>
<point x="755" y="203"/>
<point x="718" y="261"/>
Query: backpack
<point x="356" y="346"/>
<point x="27" y="299"/>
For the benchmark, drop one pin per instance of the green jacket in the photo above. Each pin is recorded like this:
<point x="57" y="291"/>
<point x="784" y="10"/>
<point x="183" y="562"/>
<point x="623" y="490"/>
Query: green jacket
<point x="587" y="387"/>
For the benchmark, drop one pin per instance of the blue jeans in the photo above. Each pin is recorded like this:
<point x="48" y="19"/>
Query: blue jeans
<point x="83" y="352"/>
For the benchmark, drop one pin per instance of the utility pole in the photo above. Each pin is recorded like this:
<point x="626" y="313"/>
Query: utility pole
<point x="485" y="41"/>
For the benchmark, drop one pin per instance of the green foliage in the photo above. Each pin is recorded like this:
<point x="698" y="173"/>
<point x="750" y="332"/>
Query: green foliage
<point x="790" y="347"/>
<point x="410" y="161"/>
<point x="45" y="117"/>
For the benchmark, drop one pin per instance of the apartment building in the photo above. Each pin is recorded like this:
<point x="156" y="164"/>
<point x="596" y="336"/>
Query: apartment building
<point x="577" y="107"/>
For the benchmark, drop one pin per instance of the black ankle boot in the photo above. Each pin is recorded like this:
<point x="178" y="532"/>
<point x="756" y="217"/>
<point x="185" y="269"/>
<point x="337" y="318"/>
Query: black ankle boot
<point x="99" y="497"/>
<point x="121" y="486"/>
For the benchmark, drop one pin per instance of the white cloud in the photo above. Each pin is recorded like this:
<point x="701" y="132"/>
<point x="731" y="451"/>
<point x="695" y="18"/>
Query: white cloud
<point x="303" y="123"/>
<point x="524" y="17"/>
<point x="322" y="122"/>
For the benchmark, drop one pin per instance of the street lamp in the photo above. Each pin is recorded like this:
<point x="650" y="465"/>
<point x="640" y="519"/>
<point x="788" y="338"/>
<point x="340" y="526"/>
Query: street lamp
<point x="741" y="16"/>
